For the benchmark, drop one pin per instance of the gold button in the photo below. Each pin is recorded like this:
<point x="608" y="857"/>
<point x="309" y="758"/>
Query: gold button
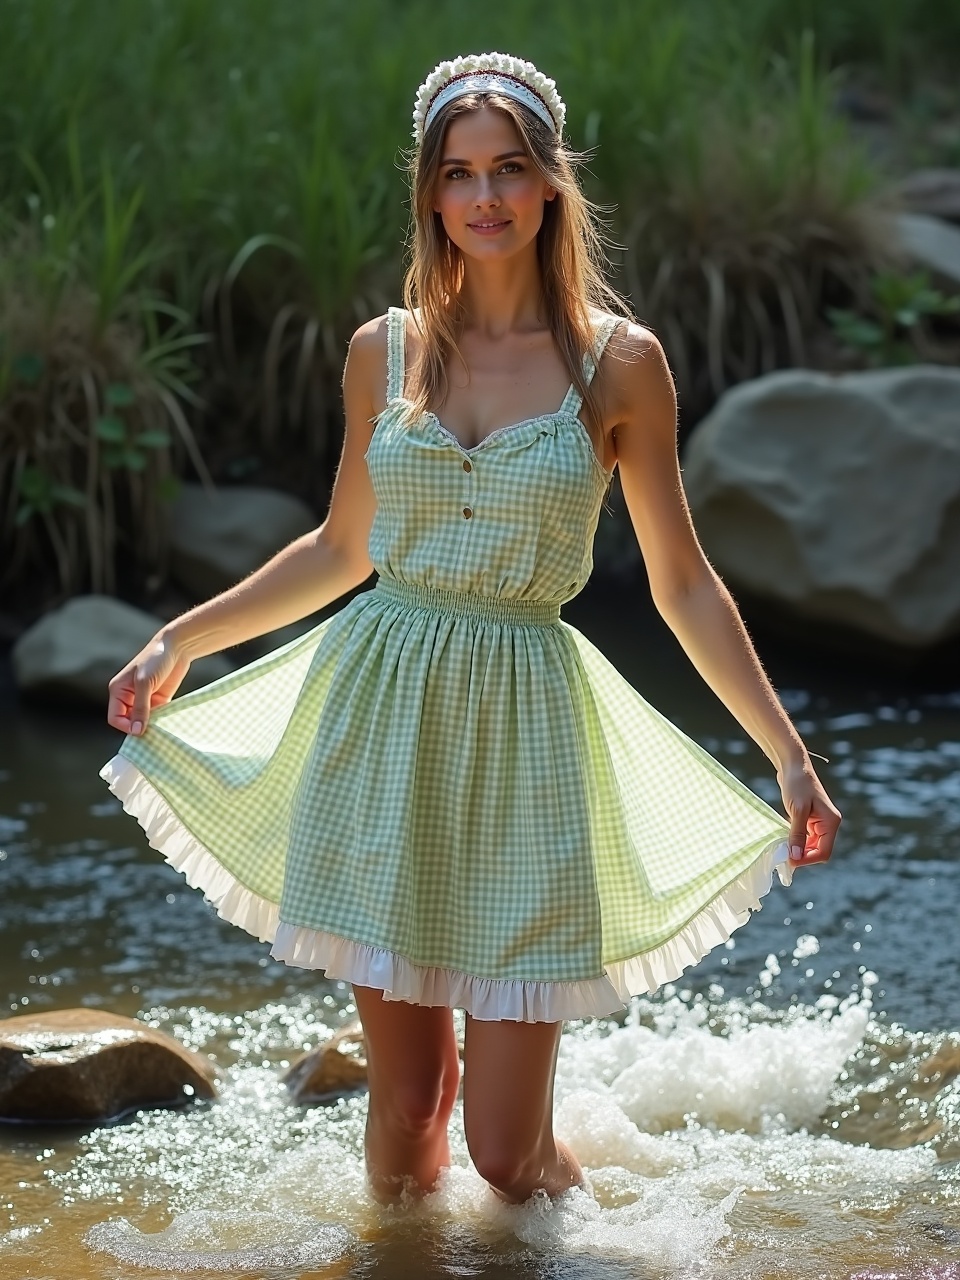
<point x="466" y="465"/>
<point x="467" y="512"/>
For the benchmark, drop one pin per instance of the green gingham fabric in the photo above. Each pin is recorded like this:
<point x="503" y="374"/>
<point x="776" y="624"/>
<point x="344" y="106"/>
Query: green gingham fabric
<point x="445" y="769"/>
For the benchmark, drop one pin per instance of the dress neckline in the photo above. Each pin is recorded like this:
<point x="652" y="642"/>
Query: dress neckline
<point x="497" y="431"/>
<point x="556" y="414"/>
<point x="569" y="407"/>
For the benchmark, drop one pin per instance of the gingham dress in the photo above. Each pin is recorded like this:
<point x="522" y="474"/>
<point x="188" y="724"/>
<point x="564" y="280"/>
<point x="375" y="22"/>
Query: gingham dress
<point x="444" y="790"/>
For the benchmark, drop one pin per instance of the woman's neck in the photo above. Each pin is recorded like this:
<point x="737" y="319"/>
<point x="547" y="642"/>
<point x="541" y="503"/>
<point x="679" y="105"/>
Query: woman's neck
<point x="502" y="297"/>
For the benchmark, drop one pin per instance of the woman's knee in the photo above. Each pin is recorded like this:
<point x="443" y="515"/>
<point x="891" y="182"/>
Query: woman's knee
<point x="414" y="1104"/>
<point x="507" y="1165"/>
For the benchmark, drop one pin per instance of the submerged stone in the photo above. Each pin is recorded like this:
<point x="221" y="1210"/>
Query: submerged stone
<point x="336" y="1067"/>
<point x="82" y="1065"/>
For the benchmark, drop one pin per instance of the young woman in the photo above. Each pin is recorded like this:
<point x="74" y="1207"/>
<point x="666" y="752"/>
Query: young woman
<point x="443" y="793"/>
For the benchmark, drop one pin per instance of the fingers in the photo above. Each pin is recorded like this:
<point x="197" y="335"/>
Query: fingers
<point x="141" y="703"/>
<point x="797" y="839"/>
<point x="822" y="824"/>
<point x="118" y="712"/>
<point x="128" y="707"/>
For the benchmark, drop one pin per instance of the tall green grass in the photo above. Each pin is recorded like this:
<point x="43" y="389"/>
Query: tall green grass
<point x="214" y="197"/>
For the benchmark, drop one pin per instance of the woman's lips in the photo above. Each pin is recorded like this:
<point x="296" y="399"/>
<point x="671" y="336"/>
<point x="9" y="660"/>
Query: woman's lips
<point x="489" y="226"/>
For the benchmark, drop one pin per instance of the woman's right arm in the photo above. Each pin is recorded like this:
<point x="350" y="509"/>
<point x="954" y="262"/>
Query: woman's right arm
<point x="307" y="574"/>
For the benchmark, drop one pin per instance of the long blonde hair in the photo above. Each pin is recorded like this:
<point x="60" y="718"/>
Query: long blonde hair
<point x="570" y="250"/>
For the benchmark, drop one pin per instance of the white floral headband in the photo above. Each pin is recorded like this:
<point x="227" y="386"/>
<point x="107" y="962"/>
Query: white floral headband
<point x="488" y="72"/>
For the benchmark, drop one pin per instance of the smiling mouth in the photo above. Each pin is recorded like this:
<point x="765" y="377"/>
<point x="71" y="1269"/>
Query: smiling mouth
<point x="488" y="226"/>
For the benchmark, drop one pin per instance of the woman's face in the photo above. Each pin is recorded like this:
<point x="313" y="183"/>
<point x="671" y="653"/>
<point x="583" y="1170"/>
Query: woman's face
<point x="489" y="193"/>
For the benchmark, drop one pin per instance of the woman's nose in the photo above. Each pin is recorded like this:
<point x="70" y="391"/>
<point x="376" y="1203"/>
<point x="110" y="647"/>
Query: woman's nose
<point x="486" y="192"/>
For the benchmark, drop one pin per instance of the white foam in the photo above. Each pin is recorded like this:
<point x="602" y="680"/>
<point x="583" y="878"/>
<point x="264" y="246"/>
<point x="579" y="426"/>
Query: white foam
<point x="226" y="1240"/>
<point x="665" y="1075"/>
<point x="691" y="1122"/>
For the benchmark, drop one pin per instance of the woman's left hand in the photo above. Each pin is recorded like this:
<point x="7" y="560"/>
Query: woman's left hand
<point x="814" y="818"/>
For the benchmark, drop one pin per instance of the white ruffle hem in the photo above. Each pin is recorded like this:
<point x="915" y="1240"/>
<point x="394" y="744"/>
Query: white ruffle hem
<point x="488" y="999"/>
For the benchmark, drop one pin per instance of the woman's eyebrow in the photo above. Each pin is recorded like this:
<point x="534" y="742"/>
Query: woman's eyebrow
<point x="507" y="155"/>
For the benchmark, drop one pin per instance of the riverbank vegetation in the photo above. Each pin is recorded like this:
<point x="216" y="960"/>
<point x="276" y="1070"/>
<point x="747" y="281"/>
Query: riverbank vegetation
<point x="199" y="201"/>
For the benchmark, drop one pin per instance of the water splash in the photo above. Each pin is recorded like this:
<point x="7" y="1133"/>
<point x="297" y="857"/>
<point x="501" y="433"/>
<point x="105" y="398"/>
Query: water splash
<point x="233" y="1240"/>
<point x="709" y="1130"/>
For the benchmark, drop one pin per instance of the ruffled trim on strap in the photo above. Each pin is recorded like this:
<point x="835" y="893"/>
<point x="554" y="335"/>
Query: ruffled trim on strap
<point x="487" y="999"/>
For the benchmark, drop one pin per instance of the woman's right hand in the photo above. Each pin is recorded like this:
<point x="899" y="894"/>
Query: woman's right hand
<point x="149" y="680"/>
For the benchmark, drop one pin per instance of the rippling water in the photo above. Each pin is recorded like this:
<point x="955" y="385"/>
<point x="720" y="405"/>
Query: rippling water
<point x="791" y="1108"/>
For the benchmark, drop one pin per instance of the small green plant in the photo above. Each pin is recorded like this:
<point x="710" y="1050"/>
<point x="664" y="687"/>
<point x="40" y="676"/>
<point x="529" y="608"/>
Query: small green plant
<point x="41" y="493"/>
<point x="125" y="448"/>
<point x="92" y="429"/>
<point x="899" y="304"/>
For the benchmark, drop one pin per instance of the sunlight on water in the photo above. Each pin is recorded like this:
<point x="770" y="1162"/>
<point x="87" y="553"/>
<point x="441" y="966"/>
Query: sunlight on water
<point x="203" y="1239"/>
<point x="711" y="1132"/>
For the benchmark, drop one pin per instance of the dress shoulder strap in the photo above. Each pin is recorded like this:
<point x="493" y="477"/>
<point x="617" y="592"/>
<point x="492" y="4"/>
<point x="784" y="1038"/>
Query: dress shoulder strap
<point x="396" y="364"/>
<point x="591" y="359"/>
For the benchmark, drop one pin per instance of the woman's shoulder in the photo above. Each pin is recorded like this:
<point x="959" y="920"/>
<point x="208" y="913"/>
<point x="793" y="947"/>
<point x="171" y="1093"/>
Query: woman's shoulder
<point x="371" y="335"/>
<point x="365" y="370"/>
<point x="623" y="336"/>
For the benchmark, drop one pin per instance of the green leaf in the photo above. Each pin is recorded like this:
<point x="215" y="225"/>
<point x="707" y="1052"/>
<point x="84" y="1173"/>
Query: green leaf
<point x="67" y="493"/>
<point x="24" y="512"/>
<point x="34" y="483"/>
<point x="154" y="438"/>
<point x="168" y="488"/>
<point x="857" y="330"/>
<point x="906" y="316"/>
<point x="134" y="459"/>
<point x="29" y="369"/>
<point x="111" y="428"/>
<point x="119" y="395"/>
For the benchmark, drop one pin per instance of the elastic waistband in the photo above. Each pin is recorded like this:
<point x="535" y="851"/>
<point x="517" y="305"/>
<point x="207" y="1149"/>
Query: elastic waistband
<point x="469" y="604"/>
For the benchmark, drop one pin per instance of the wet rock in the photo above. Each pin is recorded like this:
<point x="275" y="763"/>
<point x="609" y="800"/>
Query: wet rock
<point x="337" y="1066"/>
<point x="837" y="497"/>
<point x="931" y="242"/>
<point x="936" y="1071"/>
<point x="81" y="1065"/>
<point x="71" y="653"/>
<point x="217" y="539"/>
<point x="934" y="192"/>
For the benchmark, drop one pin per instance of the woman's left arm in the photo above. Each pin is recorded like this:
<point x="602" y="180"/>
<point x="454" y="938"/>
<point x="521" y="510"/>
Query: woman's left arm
<point x="693" y="601"/>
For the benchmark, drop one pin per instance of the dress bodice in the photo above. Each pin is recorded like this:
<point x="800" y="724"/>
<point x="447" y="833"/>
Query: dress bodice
<point x="513" y="516"/>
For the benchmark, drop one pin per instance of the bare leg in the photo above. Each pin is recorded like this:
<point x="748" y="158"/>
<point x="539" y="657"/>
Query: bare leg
<point x="414" y="1076"/>
<point x="508" y="1108"/>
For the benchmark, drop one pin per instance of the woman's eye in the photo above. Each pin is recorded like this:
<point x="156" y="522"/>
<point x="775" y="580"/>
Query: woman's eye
<point x="510" y="166"/>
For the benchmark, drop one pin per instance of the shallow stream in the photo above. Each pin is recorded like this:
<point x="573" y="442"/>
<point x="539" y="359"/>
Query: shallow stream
<point x="790" y="1108"/>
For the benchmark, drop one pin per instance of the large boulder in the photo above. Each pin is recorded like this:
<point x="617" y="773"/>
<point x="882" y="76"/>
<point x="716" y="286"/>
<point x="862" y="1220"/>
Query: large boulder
<point x="934" y="192"/>
<point x="931" y="242"/>
<point x="219" y="538"/>
<point x="71" y="653"/>
<point x="81" y="1065"/>
<point x="837" y="496"/>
